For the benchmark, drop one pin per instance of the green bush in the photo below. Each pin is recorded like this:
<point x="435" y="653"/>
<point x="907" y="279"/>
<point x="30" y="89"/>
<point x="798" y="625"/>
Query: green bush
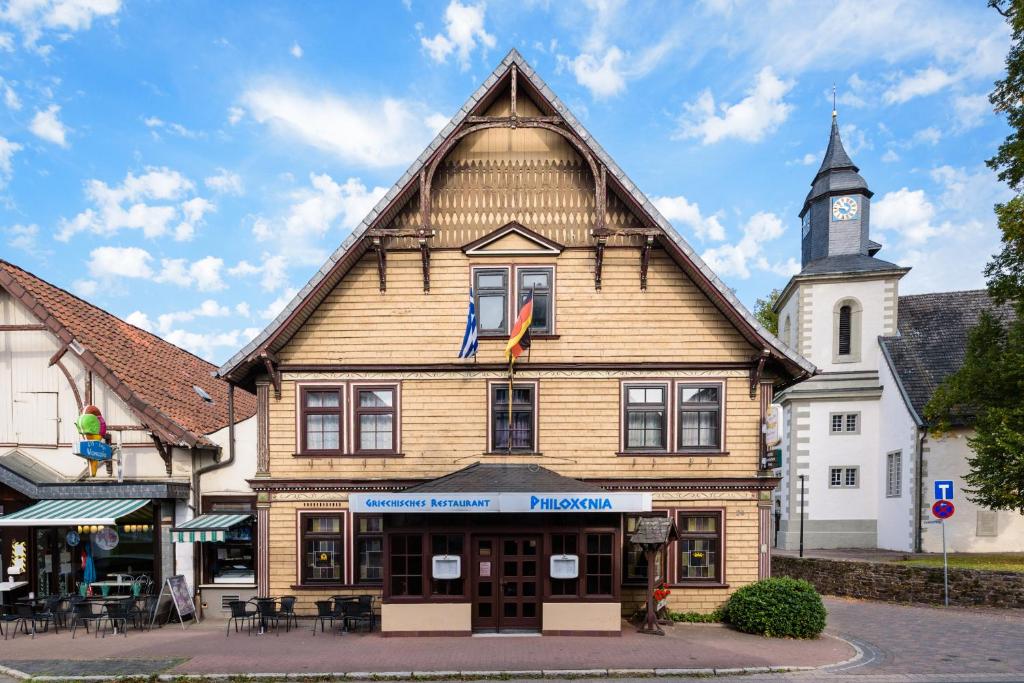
<point x="697" y="617"/>
<point x="778" y="608"/>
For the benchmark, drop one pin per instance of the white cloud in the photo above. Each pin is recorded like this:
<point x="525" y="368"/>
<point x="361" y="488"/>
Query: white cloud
<point x="296" y="51"/>
<point x="971" y="111"/>
<point x="226" y="182"/>
<point x="11" y="99"/>
<point x="278" y="304"/>
<point x="464" y="31"/>
<point x="854" y="139"/>
<point x="155" y="123"/>
<point x="737" y="259"/>
<point x="140" y="320"/>
<point x="109" y="262"/>
<point x="927" y="136"/>
<point x="204" y="274"/>
<point x="235" y="114"/>
<point x="242" y="309"/>
<point x="208" y="344"/>
<point x="602" y="77"/>
<point x="808" y="159"/>
<point x="35" y="17"/>
<point x="682" y="212"/>
<point x="150" y="202"/>
<point x="207" y="309"/>
<point x="923" y="82"/>
<point x="907" y="213"/>
<point x="272" y="271"/>
<point x="85" y="288"/>
<point x="890" y="156"/>
<point x="857" y="93"/>
<point x="46" y="125"/>
<point x="7" y="151"/>
<point x="23" y="237"/>
<point x="761" y="112"/>
<point x="375" y="133"/>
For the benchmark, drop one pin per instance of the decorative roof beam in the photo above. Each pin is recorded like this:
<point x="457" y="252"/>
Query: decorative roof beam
<point x="165" y="451"/>
<point x="756" y="370"/>
<point x="599" y="261"/>
<point x="382" y="264"/>
<point x="645" y="261"/>
<point x="271" y="365"/>
<point x="425" y="258"/>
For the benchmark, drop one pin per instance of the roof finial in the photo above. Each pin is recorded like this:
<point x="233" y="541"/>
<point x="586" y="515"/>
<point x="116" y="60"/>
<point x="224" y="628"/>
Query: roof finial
<point x="834" y="113"/>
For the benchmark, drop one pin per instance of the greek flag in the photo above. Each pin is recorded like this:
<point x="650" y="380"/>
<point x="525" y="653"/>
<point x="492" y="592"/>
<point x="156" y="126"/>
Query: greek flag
<point x="469" y="338"/>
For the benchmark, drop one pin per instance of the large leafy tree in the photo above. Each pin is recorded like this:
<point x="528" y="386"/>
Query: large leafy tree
<point x="988" y="390"/>
<point x="764" y="311"/>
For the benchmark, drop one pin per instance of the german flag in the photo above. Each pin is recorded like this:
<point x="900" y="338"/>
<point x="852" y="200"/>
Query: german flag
<point x="519" y="340"/>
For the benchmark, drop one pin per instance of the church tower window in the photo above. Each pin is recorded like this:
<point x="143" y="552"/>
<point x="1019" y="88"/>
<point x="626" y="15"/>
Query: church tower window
<point x="846" y="332"/>
<point x="845" y="313"/>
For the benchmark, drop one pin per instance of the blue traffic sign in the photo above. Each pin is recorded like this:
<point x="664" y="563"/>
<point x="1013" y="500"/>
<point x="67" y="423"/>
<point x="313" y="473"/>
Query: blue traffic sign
<point x="943" y="509"/>
<point x="943" y="489"/>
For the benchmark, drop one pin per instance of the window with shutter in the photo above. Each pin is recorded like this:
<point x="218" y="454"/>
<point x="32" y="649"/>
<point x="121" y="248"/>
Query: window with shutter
<point x="845" y="314"/>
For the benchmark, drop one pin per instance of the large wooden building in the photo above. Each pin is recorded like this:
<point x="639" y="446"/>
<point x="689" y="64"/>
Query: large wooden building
<point x="386" y="464"/>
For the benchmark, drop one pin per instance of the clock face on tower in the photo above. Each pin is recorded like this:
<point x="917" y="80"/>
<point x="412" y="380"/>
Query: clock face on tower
<point x="844" y="208"/>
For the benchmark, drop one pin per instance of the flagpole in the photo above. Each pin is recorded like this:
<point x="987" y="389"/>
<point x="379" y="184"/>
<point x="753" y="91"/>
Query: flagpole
<point x="511" y="371"/>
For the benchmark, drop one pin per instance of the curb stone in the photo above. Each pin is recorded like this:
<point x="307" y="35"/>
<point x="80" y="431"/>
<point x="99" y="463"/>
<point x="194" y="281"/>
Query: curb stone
<point x="684" y="672"/>
<point x="624" y="673"/>
<point x="575" y="673"/>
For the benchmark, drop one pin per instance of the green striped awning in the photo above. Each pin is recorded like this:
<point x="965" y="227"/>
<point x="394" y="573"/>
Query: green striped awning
<point x="207" y="528"/>
<point x="73" y="512"/>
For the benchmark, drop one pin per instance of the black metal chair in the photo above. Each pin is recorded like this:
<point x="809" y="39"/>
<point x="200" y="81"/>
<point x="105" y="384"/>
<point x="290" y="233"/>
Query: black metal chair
<point x="266" y="610"/>
<point x="325" y="613"/>
<point x="115" y="613"/>
<point x="366" y="603"/>
<point x="85" y="614"/>
<point x="240" y="612"/>
<point x="354" y="613"/>
<point x="288" y="611"/>
<point x="22" y="617"/>
<point x="46" y="613"/>
<point x="141" y="611"/>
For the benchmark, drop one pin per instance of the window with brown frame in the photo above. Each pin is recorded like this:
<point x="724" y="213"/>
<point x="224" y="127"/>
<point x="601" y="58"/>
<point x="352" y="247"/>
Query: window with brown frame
<point x="406" y="564"/>
<point x="646" y="412"/>
<point x="492" y="294"/>
<point x="232" y="560"/>
<point x="375" y="420"/>
<point x="369" y="549"/>
<point x="522" y="433"/>
<point x="700" y="411"/>
<point x="322" y="549"/>
<point x="634" y="559"/>
<point x="700" y="547"/>
<point x="321" y="419"/>
<point x="451" y="545"/>
<point x="599" y="578"/>
<point x="564" y="544"/>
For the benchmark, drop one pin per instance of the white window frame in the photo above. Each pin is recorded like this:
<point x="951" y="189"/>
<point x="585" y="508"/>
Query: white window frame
<point x="844" y="423"/>
<point x="894" y="474"/>
<point x="844" y="471"/>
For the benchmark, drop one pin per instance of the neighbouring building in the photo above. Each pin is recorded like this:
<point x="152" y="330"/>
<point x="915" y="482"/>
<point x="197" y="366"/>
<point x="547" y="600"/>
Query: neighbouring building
<point x="389" y="466"/>
<point x="854" y="435"/>
<point x="179" y="458"/>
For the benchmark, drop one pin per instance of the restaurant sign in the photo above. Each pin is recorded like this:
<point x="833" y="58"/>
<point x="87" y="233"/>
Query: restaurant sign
<point x="500" y="502"/>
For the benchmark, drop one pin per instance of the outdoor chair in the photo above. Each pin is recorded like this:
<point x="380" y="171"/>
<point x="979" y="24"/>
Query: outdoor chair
<point x="62" y="610"/>
<point x="366" y="603"/>
<point x="325" y="613"/>
<point x="288" y="611"/>
<point x="46" y="614"/>
<point x="115" y="614"/>
<point x="141" y="611"/>
<point x="23" y="618"/>
<point x="240" y="612"/>
<point x="355" y="613"/>
<point x="84" y="614"/>
<point x="267" y="612"/>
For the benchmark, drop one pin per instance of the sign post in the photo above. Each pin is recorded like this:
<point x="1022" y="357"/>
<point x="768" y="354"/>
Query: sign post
<point x="943" y="510"/>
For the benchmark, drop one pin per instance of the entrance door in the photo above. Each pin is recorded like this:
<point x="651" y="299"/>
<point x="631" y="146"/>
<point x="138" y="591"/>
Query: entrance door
<point x="506" y="583"/>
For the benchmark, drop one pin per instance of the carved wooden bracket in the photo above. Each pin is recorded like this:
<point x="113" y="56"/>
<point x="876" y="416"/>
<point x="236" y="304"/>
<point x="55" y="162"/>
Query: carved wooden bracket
<point x="756" y="368"/>
<point x="425" y="258"/>
<point x="165" y="452"/>
<point x="270" y="363"/>
<point x="645" y="261"/>
<point x="599" y="260"/>
<point x="382" y="263"/>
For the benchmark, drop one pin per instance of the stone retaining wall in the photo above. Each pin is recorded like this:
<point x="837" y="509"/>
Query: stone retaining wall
<point x="899" y="583"/>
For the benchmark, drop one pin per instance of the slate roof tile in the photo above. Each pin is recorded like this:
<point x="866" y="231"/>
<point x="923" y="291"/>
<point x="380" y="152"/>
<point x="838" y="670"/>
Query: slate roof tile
<point x="504" y="478"/>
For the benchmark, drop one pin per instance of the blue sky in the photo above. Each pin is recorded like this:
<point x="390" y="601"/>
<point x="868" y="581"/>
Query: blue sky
<point x="189" y="165"/>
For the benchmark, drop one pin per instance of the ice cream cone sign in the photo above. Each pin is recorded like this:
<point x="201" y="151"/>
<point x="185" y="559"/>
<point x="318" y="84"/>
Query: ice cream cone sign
<point x="92" y="428"/>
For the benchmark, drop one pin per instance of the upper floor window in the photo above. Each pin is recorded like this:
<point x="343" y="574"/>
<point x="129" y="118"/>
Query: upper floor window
<point x="491" y="287"/>
<point x="894" y="474"/>
<point x="494" y="291"/>
<point x="646" y="417"/>
<point x="844" y="423"/>
<point x="843" y="477"/>
<point x="699" y="417"/>
<point x="648" y="409"/>
<point x="846" y="331"/>
<point x="521" y="432"/>
<point x="321" y="420"/>
<point x="375" y="419"/>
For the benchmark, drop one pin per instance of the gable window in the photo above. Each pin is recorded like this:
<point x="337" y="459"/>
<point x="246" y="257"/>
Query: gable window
<point x="844" y="423"/>
<point x="491" y="286"/>
<point x="843" y="477"/>
<point x="699" y="417"/>
<point x="894" y="474"/>
<point x="322" y="548"/>
<point x="369" y="549"/>
<point x="521" y="434"/>
<point x="700" y="547"/>
<point x="646" y="417"/>
<point x="539" y="281"/>
<point x="321" y="420"/>
<point x="375" y="422"/>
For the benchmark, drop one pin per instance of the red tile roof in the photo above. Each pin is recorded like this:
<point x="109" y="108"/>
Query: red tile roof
<point x="154" y="377"/>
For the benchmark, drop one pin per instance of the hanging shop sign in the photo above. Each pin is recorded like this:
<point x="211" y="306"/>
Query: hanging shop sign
<point x="773" y="426"/>
<point x="72" y="538"/>
<point x="500" y="502"/>
<point x="107" y="538"/>
<point x="93" y="430"/>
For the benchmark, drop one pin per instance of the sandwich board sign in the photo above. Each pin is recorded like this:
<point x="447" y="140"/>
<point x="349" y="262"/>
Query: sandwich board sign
<point x="181" y="600"/>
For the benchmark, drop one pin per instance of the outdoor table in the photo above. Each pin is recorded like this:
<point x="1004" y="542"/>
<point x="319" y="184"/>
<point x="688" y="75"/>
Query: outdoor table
<point x="112" y="584"/>
<point x="9" y="586"/>
<point x="263" y="622"/>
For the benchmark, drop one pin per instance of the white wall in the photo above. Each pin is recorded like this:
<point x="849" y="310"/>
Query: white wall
<point x="897" y="432"/>
<point x="234" y="478"/>
<point x="836" y="450"/>
<point x="946" y="458"/>
<point x="821" y="299"/>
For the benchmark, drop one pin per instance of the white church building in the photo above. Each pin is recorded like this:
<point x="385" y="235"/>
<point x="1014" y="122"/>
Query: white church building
<point x="857" y="459"/>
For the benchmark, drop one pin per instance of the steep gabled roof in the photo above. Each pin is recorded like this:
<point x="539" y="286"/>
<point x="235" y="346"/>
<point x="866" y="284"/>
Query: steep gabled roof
<point x="354" y="246"/>
<point x="154" y="377"/>
<point x="932" y="341"/>
<point x="837" y="171"/>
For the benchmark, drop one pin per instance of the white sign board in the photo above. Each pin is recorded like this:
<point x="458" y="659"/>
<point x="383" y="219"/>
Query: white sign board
<point x="500" y="502"/>
<point x="773" y="426"/>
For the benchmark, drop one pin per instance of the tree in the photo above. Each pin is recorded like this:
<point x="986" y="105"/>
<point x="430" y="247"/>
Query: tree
<point x="986" y="391"/>
<point x="765" y="313"/>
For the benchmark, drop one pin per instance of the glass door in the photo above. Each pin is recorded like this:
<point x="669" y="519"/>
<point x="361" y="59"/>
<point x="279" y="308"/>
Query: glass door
<point x="519" y="580"/>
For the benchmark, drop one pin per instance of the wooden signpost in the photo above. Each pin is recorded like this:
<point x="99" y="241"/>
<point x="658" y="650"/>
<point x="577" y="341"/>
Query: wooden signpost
<point x="181" y="598"/>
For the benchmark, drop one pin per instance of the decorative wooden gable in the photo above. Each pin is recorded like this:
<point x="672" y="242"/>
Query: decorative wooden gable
<point x="513" y="239"/>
